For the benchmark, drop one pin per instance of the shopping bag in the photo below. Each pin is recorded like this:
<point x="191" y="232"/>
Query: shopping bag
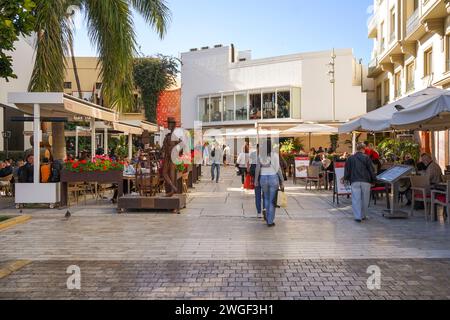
<point x="248" y="182"/>
<point x="282" y="199"/>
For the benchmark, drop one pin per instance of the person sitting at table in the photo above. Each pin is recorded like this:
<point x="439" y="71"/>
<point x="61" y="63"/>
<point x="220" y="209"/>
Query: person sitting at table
<point x="408" y="160"/>
<point x="433" y="171"/>
<point x="128" y="168"/>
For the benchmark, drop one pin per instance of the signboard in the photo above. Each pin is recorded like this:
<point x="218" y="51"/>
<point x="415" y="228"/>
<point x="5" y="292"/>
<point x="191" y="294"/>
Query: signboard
<point x="301" y="167"/>
<point x="341" y="187"/>
<point x="395" y="173"/>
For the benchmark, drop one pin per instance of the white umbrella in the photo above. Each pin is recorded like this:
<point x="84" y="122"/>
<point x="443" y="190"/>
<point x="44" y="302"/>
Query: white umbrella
<point x="428" y="114"/>
<point x="381" y="119"/>
<point x="313" y="128"/>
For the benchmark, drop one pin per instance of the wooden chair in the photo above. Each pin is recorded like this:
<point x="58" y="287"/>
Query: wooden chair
<point x="5" y="185"/>
<point x="420" y="189"/>
<point x="314" y="175"/>
<point x="441" y="198"/>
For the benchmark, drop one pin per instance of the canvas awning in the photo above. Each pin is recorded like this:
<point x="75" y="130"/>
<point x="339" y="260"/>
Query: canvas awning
<point x="381" y="119"/>
<point x="60" y="105"/>
<point x="127" y="128"/>
<point x="430" y="114"/>
<point x="313" y="128"/>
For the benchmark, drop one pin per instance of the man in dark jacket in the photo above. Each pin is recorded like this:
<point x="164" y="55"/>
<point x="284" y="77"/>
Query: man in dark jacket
<point x="26" y="173"/>
<point x="359" y="172"/>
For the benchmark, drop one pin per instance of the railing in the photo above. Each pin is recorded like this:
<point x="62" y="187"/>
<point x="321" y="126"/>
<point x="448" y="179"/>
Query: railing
<point x="410" y="86"/>
<point x="392" y="38"/>
<point x="373" y="63"/>
<point x="372" y="22"/>
<point x="412" y="23"/>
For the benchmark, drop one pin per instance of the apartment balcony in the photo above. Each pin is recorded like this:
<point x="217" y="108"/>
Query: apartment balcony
<point x="435" y="9"/>
<point x="413" y="23"/>
<point x="374" y="68"/>
<point x="373" y="26"/>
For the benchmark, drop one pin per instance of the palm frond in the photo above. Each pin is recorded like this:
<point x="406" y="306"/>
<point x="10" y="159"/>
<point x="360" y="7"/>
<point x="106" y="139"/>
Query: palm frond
<point x="155" y="12"/>
<point x="110" y="28"/>
<point x="53" y="37"/>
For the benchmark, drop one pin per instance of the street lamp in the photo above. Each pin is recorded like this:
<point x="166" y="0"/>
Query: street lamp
<point x="332" y="74"/>
<point x="7" y="136"/>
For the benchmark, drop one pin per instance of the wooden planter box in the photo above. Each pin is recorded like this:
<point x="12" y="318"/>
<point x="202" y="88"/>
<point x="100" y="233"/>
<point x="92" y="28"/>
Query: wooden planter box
<point x="107" y="177"/>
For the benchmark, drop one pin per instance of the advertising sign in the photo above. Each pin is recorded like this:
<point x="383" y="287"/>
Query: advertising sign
<point x="301" y="167"/>
<point x="342" y="188"/>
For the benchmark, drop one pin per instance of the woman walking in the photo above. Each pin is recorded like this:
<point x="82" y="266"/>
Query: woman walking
<point x="270" y="178"/>
<point x="242" y="164"/>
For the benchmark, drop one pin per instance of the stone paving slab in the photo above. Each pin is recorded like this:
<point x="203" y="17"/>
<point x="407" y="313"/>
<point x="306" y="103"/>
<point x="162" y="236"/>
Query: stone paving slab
<point x="407" y="279"/>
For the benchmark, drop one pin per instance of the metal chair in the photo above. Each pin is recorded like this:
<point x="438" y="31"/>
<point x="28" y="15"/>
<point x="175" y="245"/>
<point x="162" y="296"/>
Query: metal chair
<point x="441" y="198"/>
<point x="314" y="175"/>
<point x="420" y="188"/>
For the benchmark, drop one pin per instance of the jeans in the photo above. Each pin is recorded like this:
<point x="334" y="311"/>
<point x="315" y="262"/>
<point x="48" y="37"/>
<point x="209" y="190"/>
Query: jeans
<point x="269" y="186"/>
<point x="360" y="199"/>
<point x="215" y="167"/>
<point x="243" y="172"/>
<point x="258" y="198"/>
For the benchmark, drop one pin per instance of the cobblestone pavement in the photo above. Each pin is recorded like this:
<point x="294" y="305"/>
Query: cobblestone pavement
<point x="219" y="226"/>
<point x="273" y="279"/>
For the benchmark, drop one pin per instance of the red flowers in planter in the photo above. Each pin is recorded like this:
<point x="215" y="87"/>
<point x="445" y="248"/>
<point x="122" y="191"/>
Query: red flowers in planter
<point x="99" y="163"/>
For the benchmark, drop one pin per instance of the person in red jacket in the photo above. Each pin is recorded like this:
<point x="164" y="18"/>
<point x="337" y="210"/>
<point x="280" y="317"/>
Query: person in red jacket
<point x="373" y="155"/>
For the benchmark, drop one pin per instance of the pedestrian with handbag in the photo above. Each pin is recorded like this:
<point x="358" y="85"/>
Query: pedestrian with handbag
<point x="269" y="176"/>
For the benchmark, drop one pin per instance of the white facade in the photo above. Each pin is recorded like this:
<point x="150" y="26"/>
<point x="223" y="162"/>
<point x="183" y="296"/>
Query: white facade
<point x="23" y="62"/>
<point x="226" y="81"/>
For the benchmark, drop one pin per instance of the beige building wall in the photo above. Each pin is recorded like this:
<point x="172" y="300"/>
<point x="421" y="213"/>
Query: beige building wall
<point x="89" y="74"/>
<point x="411" y="51"/>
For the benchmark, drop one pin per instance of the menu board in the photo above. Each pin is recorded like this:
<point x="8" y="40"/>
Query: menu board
<point x="395" y="173"/>
<point x="341" y="187"/>
<point x="301" y="167"/>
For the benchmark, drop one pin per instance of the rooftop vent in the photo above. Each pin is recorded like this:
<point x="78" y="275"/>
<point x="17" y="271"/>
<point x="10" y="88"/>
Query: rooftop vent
<point x="194" y="49"/>
<point x="205" y="48"/>
<point x="242" y="59"/>
<point x="218" y="46"/>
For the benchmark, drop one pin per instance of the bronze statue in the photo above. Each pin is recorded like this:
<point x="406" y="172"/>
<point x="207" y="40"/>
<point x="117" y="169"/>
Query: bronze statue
<point x="169" y="170"/>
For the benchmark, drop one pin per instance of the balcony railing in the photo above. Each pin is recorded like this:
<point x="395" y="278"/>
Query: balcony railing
<point x="373" y="63"/>
<point x="392" y="38"/>
<point x="412" y="23"/>
<point x="372" y="22"/>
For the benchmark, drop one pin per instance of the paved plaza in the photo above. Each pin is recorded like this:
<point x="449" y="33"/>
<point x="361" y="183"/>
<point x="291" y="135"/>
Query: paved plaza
<point x="217" y="248"/>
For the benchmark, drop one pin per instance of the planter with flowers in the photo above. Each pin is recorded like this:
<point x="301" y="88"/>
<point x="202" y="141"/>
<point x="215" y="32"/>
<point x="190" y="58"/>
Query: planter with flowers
<point x="184" y="169"/>
<point x="102" y="170"/>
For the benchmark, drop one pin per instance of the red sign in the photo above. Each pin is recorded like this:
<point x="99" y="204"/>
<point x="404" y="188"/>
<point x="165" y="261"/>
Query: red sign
<point x="169" y="105"/>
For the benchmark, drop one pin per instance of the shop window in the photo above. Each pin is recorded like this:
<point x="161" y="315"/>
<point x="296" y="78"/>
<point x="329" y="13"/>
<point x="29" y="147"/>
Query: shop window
<point x="269" y="105"/>
<point x="241" y="107"/>
<point x="284" y="104"/>
<point x="255" y="106"/>
<point x="216" y="114"/>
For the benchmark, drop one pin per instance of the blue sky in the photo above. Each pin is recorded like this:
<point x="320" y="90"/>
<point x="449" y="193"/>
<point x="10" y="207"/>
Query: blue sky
<point x="267" y="27"/>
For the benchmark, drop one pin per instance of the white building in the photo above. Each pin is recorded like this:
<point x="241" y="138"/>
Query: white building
<point x="223" y="87"/>
<point x="23" y="62"/>
<point x="411" y="51"/>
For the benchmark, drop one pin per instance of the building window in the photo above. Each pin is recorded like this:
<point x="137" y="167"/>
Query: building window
<point x="241" y="107"/>
<point x="216" y="114"/>
<point x="410" y="77"/>
<point x="379" y="96"/>
<point x="392" y="38"/>
<point x="386" y="91"/>
<point x="284" y="104"/>
<point x="67" y="85"/>
<point x="228" y="108"/>
<point x="398" y="85"/>
<point x="447" y="52"/>
<point x="204" y="110"/>
<point x="255" y="106"/>
<point x="428" y="62"/>
<point x="269" y="105"/>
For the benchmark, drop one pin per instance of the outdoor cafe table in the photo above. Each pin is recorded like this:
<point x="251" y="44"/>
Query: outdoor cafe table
<point x="129" y="178"/>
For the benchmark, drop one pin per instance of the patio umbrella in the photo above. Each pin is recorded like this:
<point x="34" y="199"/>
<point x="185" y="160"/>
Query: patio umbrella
<point x="426" y="114"/>
<point x="381" y="119"/>
<point x="310" y="129"/>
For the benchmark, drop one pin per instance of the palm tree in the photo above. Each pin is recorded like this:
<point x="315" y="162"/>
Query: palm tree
<point x="111" y="31"/>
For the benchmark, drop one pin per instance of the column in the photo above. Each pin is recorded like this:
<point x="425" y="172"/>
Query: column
<point x="353" y="142"/>
<point x="58" y="141"/>
<point x="105" y="141"/>
<point x="130" y="146"/>
<point x="36" y="143"/>
<point x="76" y="142"/>
<point x="93" y="142"/>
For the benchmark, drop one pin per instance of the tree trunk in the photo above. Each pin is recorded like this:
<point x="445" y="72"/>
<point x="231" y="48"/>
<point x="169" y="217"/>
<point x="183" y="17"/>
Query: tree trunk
<point x="75" y="71"/>
<point x="59" y="141"/>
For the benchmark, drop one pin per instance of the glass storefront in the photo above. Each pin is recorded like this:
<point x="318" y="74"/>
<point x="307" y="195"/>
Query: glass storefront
<point x="281" y="103"/>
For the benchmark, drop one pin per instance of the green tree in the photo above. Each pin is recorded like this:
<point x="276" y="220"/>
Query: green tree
<point x="153" y="75"/>
<point x="110" y="29"/>
<point x="16" y="19"/>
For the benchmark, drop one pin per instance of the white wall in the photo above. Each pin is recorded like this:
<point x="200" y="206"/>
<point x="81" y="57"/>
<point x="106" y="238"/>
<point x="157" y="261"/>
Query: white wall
<point x="23" y="62"/>
<point x="211" y="71"/>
